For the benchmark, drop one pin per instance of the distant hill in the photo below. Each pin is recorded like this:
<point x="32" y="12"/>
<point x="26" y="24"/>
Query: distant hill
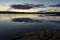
<point x="9" y="12"/>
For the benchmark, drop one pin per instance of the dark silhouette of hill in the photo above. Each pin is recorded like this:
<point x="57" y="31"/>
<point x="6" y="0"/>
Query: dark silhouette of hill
<point x="9" y="12"/>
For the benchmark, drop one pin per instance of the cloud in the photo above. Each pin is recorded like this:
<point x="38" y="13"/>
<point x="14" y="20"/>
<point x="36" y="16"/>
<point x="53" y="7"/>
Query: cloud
<point x="39" y="5"/>
<point x="56" y="5"/>
<point x="25" y="6"/>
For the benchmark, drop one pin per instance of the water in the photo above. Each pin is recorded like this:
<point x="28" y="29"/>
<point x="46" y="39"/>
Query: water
<point x="10" y="29"/>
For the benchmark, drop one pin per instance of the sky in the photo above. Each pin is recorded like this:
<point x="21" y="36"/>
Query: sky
<point x="5" y="4"/>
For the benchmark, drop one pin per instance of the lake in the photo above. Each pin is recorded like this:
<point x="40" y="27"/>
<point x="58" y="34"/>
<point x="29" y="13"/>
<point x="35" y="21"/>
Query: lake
<point x="10" y="29"/>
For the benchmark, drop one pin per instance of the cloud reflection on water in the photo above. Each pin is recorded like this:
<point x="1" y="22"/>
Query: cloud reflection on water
<point x="55" y="21"/>
<point x="26" y="20"/>
<point x="5" y="17"/>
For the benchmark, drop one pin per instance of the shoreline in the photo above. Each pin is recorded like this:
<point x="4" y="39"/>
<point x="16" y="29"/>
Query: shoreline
<point x="9" y="12"/>
<point x="53" y="34"/>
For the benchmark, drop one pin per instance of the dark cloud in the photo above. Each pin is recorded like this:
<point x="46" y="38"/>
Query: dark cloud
<point x="24" y="6"/>
<point x="56" y="5"/>
<point x="39" y="5"/>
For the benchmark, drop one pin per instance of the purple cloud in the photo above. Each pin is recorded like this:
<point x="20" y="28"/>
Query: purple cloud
<point x="26" y="6"/>
<point x="56" y="5"/>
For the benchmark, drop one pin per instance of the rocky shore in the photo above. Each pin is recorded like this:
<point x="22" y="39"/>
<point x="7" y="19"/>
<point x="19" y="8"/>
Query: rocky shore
<point x="41" y="35"/>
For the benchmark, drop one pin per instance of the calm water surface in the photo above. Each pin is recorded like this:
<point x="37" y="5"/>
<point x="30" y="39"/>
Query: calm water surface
<point x="10" y="29"/>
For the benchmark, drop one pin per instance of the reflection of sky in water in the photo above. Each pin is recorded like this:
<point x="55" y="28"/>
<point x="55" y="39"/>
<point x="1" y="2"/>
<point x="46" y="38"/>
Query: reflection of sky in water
<point x="10" y="16"/>
<point x="33" y="16"/>
<point x="10" y="29"/>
